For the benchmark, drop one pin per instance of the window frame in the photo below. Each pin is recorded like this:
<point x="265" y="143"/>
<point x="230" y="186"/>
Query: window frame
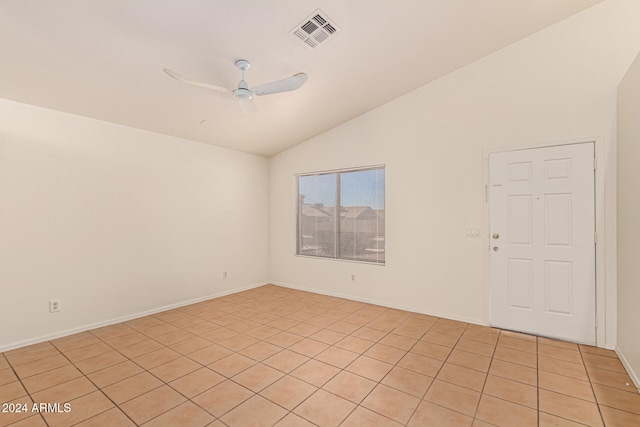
<point x="336" y="214"/>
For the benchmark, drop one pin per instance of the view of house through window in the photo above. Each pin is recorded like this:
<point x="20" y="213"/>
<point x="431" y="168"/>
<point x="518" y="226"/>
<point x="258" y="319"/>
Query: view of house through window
<point x="352" y="231"/>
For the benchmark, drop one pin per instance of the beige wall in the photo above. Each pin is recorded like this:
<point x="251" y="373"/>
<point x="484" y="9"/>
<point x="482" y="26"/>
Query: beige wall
<point x="116" y="221"/>
<point x="559" y="84"/>
<point x="629" y="221"/>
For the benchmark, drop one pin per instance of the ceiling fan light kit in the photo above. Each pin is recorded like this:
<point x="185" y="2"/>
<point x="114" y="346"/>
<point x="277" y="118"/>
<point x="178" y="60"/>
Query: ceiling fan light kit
<point x="243" y="93"/>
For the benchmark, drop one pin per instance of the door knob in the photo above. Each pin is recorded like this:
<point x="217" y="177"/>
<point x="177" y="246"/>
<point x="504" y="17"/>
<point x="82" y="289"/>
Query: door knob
<point x="495" y="236"/>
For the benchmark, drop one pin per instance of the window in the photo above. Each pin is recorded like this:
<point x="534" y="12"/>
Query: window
<point x="341" y="215"/>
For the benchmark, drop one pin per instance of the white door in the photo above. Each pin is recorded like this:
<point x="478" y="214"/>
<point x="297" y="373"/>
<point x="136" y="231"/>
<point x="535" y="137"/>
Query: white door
<point x="542" y="241"/>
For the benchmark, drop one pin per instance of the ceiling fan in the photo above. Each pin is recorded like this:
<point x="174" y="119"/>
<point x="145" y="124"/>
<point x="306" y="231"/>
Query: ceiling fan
<point x="244" y="94"/>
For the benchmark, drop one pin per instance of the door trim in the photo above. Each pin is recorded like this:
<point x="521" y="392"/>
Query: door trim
<point x="605" y="313"/>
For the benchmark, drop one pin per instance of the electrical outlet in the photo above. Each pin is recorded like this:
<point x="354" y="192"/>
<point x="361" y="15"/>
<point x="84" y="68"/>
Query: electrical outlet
<point x="225" y="275"/>
<point x="353" y="277"/>
<point x="54" y="305"/>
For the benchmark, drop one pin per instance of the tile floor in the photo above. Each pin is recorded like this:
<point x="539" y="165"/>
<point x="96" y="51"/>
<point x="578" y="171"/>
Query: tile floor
<point x="276" y="356"/>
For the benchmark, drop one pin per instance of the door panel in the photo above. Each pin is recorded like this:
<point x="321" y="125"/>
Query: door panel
<point x="542" y="262"/>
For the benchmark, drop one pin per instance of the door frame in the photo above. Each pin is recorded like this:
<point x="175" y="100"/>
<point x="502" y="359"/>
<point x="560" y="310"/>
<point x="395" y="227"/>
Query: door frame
<point x="604" y="306"/>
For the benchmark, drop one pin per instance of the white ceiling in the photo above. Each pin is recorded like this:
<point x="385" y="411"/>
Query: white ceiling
<point x="104" y="58"/>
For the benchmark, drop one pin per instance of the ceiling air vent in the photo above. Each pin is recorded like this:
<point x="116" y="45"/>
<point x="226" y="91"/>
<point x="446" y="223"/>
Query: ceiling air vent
<point x="316" y="29"/>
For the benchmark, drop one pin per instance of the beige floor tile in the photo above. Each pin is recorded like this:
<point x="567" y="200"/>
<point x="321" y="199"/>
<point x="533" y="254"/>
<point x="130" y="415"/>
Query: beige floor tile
<point x="489" y="337"/>
<point x="100" y="361"/>
<point x="462" y="376"/>
<point x="568" y="407"/>
<point x="548" y="420"/>
<point x="614" y="417"/>
<point x="514" y="372"/>
<point x="315" y="372"/>
<point x="8" y="418"/>
<point x="152" y="404"/>
<point x="131" y="387"/>
<point x="610" y="378"/>
<point x="223" y="397"/>
<point x="254" y="412"/>
<point x="209" y="354"/>
<point x="284" y="339"/>
<point x="518" y="344"/>
<point x="41" y="365"/>
<point x="157" y="358"/>
<point x="337" y="357"/>
<point x="566" y="385"/>
<point x="598" y="351"/>
<point x="618" y="399"/>
<point x="120" y="341"/>
<point x="568" y="369"/>
<point x="399" y="341"/>
<point x="434" y="351"/>
<point x="232" y="365"/>
<point x="50" y="378"/>
<point x="219" y="334"/>
<point x="66" y="391"/>
<point x="260" y="351"/>
<point x="320" y="321"/>
<point x="113" y="418"/>
<point x="369" y="334"/>
<point x="407" y="381"/>
<point x="114" y="374"/>
<point x="238" y="342"/>
<point x="243" y="326"/>
<point x="263" y="332"/>
<point x="288" y="392"/>
<point x="309" y="347"/>
<point x="75" y="341"/>
<point x="557" y="343"/>
<point x="187" y="414"/>
<point x="350" y="386"/>
<point x="369" y="368"/>
<point x="603" y="362"/>
<point x="285" y="360"/>
<point x="175" y="369"/>
<point x="8" y="376"/>
<point x="475" y="347"/>
<point x="355" y="344"/>
<point x="385" y="353"/>
<point x="88" y="352"/>
<point x="293" y="420"/>
<point x="304" y="329"/>
<point x="30" y="354"/>
<point x="325" y="409"/>
<point x="258" y="377"/>
<point x="516" y="356"/>
<point x="469" y="360"/>
<point x="561" y="353"/>
<point x="391" y="403"/>
<point x="142" y="347"/>
<point x="431" y="415"/>
<point x="421" y="364"/>
<point x="512" y="391"/>
<point x="191" y="345"/>
<point x="11" y="392"/>
<point x="453" y="397"/>
<point x="196" y="382"/>
<point x="501" y="413"/>
<point x="327" y="336"/>
<point x="81" y="409"/>
<point x="343" y="327"/>
<point x="31" y="421"/>
<point x="361" y="417"/>
<point x="440" y="338"/>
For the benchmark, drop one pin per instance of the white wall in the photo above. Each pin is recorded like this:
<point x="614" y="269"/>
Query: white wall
<point x="629" y="221"/>
<point x="116" y="221"/>
<point x="556" y="85"/>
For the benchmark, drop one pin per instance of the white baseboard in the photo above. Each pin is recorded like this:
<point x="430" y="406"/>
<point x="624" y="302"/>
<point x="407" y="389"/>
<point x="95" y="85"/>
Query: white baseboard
<point x="83" y="328"/>
<point x="630" y="371"/>
<point x="381" y="303"/>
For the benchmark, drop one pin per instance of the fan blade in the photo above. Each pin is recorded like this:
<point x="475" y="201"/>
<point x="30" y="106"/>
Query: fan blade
<point x="285" y="85"/>
<point x="247" y="106"/>
<point x="186" y="80"/>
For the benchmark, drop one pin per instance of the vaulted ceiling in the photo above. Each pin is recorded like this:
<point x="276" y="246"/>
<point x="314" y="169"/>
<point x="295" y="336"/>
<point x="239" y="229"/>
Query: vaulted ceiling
<point x="104" y="59"/>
